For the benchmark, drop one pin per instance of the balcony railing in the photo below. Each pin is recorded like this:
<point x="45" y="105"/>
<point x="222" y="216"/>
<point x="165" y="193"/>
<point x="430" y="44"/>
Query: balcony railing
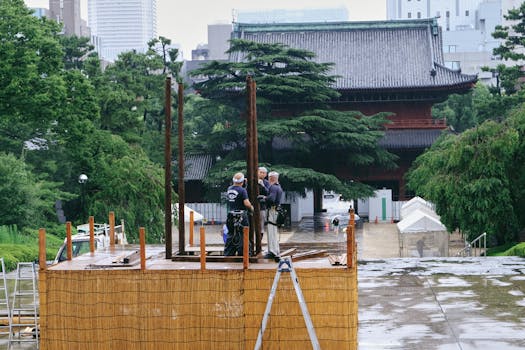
<point x="418" y="124"/>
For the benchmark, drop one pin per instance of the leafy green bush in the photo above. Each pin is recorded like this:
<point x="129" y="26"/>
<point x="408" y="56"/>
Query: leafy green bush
<point x="15" y="253"/>
<point x="10" y="234"/>
<point x="16" y="246"/>
<point x="500" y="249"/>
<point x="512" y="249"/>
<point x="517" y="250"/>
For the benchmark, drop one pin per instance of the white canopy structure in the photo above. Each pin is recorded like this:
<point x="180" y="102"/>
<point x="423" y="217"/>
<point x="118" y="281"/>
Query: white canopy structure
<point x="420" y="221"/>
<point x="415" y="204"/>
<point x="196" y="216"/>
<point x="422" y="235"/>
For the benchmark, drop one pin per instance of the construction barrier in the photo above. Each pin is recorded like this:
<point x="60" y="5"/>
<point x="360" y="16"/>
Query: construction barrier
<point x="193" y="309"/>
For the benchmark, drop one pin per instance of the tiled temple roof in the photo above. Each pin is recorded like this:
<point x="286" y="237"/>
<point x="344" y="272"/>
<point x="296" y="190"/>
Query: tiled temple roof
<point x="378" y="55"/>
<point x="196" y="166"/>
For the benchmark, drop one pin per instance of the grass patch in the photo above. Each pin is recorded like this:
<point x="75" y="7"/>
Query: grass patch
<point x="511" y="249"/>
<point x="500" y="250"/>
<point x="517" y="250"/>
<point x="16" y="246"/>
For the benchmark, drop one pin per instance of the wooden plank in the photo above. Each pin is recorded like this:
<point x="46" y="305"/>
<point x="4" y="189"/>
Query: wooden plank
<point x="208" y="248"/>
<point x="288" y="252"/>
<point x="309" y="255"/>
<point x="334" y="259"/>
<point x="212" y="258"/>
<point x="119" y="259"/>
<point x="337" y="259"/>
<point x="132" y="258"/>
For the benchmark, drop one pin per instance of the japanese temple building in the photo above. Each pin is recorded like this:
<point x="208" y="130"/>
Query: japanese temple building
<point x="382" y="66"/>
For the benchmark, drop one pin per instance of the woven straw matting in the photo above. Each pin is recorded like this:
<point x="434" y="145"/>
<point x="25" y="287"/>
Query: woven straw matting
<point x="191" y="309"/>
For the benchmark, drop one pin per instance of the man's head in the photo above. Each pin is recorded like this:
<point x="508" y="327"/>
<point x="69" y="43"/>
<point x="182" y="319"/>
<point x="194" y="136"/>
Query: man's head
<point x="238" y="179"/>
<point x="273" y="177"/>
<point x="262" y="172"/>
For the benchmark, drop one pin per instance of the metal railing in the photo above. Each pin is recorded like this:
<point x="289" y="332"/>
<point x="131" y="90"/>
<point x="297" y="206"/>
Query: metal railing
<point x="476" y="247"/>
<point x="426" y="123"/>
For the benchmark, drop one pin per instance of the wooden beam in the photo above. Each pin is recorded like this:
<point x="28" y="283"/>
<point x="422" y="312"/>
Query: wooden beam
<point x="288" y="252"/>
<point x="214" y="258"/>
<point x="309" y="255"/>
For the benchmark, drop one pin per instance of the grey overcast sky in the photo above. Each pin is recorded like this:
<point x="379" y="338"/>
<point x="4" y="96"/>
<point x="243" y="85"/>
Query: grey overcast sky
<point x="185" y="22"/>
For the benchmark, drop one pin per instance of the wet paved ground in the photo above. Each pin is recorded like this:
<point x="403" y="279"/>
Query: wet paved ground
<point x="410" y="303"/>
<point x="445" y="303"/>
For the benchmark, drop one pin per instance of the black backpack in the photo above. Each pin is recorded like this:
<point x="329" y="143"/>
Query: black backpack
<point x="281" y="216"/>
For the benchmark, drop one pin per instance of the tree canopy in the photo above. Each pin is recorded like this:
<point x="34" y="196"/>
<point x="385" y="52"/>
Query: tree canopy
<point x="471" y="179"/>
<point x="298" y="133"/>
<point x="62" y="115"/>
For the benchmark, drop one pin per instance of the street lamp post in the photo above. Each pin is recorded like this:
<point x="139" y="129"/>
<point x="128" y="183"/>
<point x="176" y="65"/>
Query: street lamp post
<point x="82" y="180"/>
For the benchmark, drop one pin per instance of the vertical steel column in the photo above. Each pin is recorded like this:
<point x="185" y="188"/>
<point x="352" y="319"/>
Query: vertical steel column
<point x="167" y="168"/>
<point x="255" y="155"/>
<point x="249" y="152"/>
<point x="182" y="199"/>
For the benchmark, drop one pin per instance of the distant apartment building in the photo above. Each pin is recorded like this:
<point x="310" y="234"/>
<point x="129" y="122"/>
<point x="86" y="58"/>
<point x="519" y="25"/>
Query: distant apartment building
<point x="40" y="12"/>
<point x="336" y="14"/>
<point x="467" y="29"/>
<point x="67" y="12"/>
<point x="118" y="27"/>
<point x="218" y="41"/>
<point x="220" y="34"/>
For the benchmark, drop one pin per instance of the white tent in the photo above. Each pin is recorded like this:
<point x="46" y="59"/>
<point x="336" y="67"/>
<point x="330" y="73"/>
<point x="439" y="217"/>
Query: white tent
<point x="196" y="216"/>
<point x="419" y="221"/>
<point x="415" y="204"/>
<point x="422" y="235"/>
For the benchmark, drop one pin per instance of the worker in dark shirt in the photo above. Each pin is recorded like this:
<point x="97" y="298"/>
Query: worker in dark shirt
<point x="238" y="203"/>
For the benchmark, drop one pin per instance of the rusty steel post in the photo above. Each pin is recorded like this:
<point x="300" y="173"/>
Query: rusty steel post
<point x="182" y="199"/>
<point x="69" y="244"/>
<point x="167" y="168"/>
<point x="255" y="155"/>
<point x="92" y="234"/>
<point x="42" y="249"/>
<point x="203" y="248"/>
<point x="350" y="240"/>
<point x="245" y="248"/>
<point x="112" y="230"/>
<point x="142" y="238"/>
<point x="249" y="151"/>
<point x="191" y="228"/>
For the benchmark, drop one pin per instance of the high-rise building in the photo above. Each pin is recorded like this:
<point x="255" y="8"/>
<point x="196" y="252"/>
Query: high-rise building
<point x="67" y="12"/>
<point x="218" y="36"/>
<point x="467" y="29"/>
<point x="336" y="14"/>
<point x="120" y="26"/>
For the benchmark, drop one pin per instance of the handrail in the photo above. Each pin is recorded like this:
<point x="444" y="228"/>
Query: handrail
<point x="476" y="246"/>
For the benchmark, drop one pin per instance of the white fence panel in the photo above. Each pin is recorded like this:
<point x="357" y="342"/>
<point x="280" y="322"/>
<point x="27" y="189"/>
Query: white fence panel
<point x="214" y="213"/>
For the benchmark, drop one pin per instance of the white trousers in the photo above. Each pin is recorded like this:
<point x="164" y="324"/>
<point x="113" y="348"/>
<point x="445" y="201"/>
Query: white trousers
<point x="262" y="219"/>
<point x="273" y="233"/>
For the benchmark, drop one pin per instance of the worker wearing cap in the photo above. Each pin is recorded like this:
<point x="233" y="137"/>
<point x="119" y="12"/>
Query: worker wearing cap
<point x="237" y="198"/>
